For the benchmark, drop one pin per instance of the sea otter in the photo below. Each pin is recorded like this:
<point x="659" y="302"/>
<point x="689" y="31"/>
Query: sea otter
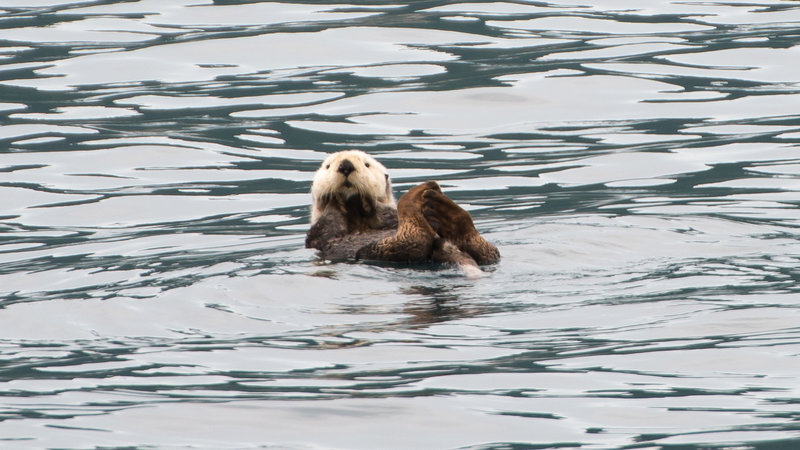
<point x="354" y="216"/>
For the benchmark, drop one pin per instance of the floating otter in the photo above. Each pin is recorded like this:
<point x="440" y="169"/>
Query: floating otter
<point x="354" y="216"/>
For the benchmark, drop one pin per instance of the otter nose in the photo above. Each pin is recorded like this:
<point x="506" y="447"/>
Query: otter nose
<point x="346" y="167"/>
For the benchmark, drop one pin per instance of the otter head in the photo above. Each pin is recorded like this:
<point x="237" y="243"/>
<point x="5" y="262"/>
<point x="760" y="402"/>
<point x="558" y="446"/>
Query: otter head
<point x="355" y="181"/>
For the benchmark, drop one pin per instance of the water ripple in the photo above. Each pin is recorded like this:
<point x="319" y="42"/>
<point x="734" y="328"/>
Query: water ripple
<point x="636" y="165"/>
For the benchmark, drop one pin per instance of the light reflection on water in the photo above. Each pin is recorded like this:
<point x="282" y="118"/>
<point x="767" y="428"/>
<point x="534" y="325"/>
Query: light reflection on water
<point x="636" y="165"/>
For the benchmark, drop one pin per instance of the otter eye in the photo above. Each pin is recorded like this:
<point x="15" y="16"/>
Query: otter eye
<point x="366" y="164"/>
<point x="327" y="166"/>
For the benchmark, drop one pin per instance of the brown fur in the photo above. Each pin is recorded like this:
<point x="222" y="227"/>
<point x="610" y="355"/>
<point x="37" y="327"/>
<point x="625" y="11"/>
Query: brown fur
<point x="426" y="226"/>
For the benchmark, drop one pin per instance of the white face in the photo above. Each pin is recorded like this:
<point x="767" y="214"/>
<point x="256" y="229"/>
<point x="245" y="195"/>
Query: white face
<point x="347" y="173"/>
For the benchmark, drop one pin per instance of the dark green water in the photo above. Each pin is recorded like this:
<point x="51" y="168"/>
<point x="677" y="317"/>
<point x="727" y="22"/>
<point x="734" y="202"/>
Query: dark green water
<point x="637" y="164"/>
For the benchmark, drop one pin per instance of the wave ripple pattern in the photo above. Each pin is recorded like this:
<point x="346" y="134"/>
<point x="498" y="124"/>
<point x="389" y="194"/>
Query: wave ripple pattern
<point x="637" y="164"/>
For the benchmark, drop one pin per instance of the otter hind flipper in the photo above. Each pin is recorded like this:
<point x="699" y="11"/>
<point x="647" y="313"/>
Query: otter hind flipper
<point x="455" y="225"/>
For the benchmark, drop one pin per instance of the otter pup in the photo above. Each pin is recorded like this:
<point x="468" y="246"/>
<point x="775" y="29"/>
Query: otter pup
<point x="354" y="216"/>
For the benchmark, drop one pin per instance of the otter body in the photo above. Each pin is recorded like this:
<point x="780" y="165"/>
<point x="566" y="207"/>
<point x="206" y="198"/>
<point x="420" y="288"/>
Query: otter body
<point x="355" y="216"/>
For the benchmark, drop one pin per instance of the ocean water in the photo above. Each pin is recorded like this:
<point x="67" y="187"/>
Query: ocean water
<point x="636" y="163"/>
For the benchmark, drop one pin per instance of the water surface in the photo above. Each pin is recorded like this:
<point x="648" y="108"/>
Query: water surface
<point x="637" y="166"/>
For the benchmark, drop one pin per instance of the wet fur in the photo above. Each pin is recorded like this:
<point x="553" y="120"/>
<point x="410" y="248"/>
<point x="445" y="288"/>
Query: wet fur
<point x="431" y="227"/>
<point x="359" y="192"/>
<point x="354" y="217"/>
<point x="350" y="208"/>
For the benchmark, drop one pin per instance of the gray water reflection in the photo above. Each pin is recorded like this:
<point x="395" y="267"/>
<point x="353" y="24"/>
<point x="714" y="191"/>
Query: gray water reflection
<point x="637" y="166"/>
